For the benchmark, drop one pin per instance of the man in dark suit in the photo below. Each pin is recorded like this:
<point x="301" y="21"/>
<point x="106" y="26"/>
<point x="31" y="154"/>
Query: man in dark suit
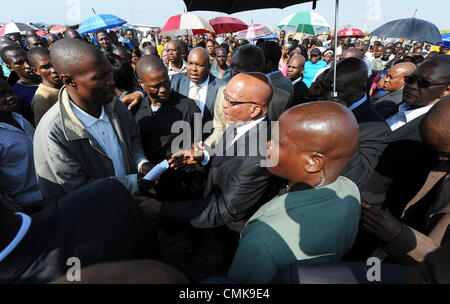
<point x="296" y="67"/>
<point x="247" y="59"/>
<point x="237" y="182"/>
<point x="157" y="116"/>
<point x="351" y="86"/>
<point x="406" y="162"/>
<point x="198" y="84"/>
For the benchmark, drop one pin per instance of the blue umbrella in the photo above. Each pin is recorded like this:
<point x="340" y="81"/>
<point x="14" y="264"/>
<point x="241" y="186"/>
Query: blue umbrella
<point x="269" y="37"/>
<point x="446" y="37"/>
<point x="445" y="43"/>
<point x="411" y="28"/>
<point x="100" y="22"/>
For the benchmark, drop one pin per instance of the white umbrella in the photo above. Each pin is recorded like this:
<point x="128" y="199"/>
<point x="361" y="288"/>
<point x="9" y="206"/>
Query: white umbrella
<point x="14" y="27"/>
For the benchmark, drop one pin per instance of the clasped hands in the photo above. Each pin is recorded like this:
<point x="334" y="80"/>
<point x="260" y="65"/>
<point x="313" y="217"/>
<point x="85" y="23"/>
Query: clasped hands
<point x="188" y="157"/>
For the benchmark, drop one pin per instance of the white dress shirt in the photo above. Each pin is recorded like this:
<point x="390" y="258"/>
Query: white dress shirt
<point x="405" y="116"/>
<point x="241" y="130"/>
<point x="201" y="101"/>
<point x="103" y="132"/>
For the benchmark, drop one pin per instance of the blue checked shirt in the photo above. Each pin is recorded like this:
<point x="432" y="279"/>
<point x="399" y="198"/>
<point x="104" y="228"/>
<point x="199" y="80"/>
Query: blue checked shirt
<point x="18" y="176"/>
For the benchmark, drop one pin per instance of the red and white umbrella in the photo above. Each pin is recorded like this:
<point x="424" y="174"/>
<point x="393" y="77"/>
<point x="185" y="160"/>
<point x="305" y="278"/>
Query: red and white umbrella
<point x="186" y="24"/>
<point x="351" y="32"/>
<point x="15" y="28"/>
<point x="254" y="31"/>
<point x="223" y="25"/>
<point x="58" y="30"/>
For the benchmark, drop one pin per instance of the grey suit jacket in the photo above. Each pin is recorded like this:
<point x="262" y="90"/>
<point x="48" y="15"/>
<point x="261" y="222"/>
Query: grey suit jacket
<point x="283" y="83"/>
<point x="180" y="83"/>
<point x="395" y="96"/>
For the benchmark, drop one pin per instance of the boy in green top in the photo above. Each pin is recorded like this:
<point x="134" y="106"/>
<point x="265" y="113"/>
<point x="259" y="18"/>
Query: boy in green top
<point x="317" y="221"/>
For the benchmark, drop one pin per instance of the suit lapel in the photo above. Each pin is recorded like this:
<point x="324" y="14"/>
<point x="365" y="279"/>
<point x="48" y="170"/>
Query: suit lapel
<point x="184" y="88"/>
<point x="211" y="94"/>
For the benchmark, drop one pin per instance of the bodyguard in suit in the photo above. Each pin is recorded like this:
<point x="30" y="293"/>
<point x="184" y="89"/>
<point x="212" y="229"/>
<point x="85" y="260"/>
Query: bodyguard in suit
<point x="198" y="84"/>
<point x="406" y="162"/>
<point x="374" y="132"/>
<point x="237" y="182"/>
<point x="247" y="59"/>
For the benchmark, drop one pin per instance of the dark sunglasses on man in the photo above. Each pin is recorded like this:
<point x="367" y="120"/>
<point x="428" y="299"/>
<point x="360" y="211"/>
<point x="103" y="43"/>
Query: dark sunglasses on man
<point x="422" y="83"/>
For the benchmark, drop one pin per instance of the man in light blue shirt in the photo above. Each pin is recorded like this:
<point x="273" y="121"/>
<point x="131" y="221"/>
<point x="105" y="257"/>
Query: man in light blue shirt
<point x="313" y="66"/>
<point x="18" y="177"/>
<point x="89" y="134"/>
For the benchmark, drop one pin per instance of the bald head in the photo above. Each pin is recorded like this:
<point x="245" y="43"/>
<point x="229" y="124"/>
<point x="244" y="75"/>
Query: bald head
<point x="69" y="55"/>
<point x="247" y="97"/>
<point x="154" y="79"/>
<point x="148" y="65"/>
<point x="199" y="65"/>
<point x="352" y="52"/>
<point x="395" y="79"/>
<point x="296" y="67"/>
<point x="435" y="126"/>
<point x="316" y="140"/>
<point x="174" y="51"/>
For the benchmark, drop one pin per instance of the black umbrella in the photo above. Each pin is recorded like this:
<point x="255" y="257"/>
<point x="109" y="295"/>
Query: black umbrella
<point x="235" y="6"/>
<point x="411" y="28"/>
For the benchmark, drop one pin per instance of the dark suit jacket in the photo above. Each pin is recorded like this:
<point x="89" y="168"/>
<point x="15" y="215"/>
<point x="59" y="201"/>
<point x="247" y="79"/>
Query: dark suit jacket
<point x="236" y="187"/>
<point x="278" y="104"/>
<point x="300" y="90"/>
<point x="180" y="83"/>
<point x="373" y="139"/>
<point x="401" y="171"/>
<point x="283" y="83"/>
<point x="395" y="97"/>
<point x="156" y="128"/>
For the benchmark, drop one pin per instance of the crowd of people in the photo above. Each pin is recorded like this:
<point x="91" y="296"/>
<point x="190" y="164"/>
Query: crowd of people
<point x="263" y="158"/>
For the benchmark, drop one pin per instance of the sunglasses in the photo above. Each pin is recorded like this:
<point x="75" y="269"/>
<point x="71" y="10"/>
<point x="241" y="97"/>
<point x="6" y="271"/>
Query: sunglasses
<point x="422" y="83"/>
<point x="236" y="103"/>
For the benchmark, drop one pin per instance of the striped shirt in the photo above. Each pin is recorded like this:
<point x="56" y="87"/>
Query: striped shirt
<point x="18" y="176"/>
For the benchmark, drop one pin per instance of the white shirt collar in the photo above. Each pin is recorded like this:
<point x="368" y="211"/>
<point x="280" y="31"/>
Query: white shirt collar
<point x="413" y="114"/>
<point x="247" y="126"/>
<point x="296" y="81"/>
<point x="87" y="119"/>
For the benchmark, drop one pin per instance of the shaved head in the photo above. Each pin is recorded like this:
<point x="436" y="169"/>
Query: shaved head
<point x="296" y="66"/>
<point x="435" y="126"/>
<point x="66" y="54"/>
<point x="149" y="64"/>
<point x="199" y="65"/>
<point x="352" y="52"/>
<point x="395" y="80"/>
<point x="315" y="140"/>
<point x="351" y="81"/>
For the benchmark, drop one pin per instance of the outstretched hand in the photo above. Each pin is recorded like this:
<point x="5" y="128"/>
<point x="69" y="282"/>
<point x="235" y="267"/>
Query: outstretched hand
<point x="132" y="100"/>
<point x="187" y="157"/>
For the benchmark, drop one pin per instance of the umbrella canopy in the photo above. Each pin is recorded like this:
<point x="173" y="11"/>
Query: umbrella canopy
<point x="351" y="32"/>
<point x="223" y="25"/>
<point x="254" y="31"/>
<point x="235" y="6"/>
<point x="58" y="30"/>
<point x="15" y="28"/>
<point x="411" y="28"/>
<point x="304" y="22"/>
<point x="186" y="24"/>
<point x="100" y="22"/>
<point x="41" y="33"/>
<point x="446" y="37"/>
<point x="272" y="36"/>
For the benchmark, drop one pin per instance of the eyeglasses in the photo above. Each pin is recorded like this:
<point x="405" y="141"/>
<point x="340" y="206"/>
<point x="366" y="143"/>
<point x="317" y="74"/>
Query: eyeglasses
<point x="422" y="83"/>
<point x="235" y="103"/>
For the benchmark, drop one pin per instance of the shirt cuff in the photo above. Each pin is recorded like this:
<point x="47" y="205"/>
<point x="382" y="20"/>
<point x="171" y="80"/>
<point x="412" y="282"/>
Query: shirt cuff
<point x="206" y="158"/>
<point x="141" y="163"/>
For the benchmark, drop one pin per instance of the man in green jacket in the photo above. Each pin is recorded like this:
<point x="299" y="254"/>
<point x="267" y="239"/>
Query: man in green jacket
<point x="317" y="220"/>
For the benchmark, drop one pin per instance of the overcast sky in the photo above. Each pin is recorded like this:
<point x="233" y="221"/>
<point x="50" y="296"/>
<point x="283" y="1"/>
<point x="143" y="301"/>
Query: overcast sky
<point x="363" y="14"/>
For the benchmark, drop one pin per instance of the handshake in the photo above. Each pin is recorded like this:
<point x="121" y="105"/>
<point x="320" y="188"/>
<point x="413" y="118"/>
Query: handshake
<point x="188" y="157"/>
